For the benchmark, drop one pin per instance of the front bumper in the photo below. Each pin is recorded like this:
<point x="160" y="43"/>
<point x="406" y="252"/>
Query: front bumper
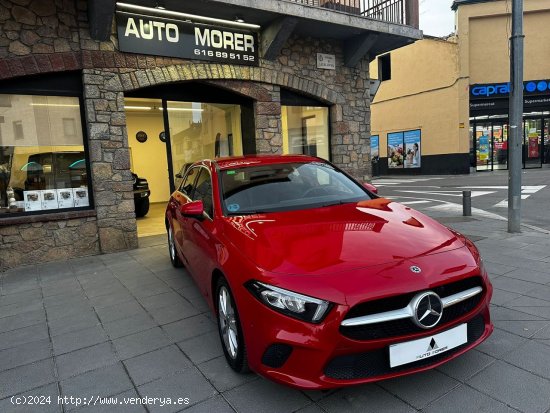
<point x="323" y="358"/>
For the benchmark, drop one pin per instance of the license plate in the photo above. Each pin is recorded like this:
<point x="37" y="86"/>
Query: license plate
<point x="416" y="350"/>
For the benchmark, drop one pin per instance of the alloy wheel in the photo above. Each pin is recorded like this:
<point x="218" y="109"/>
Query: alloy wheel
<point x="228" y="323"/>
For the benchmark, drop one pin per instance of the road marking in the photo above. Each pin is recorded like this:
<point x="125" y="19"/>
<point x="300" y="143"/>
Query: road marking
<point x="415" y="202"/>
<point x="451" y="193"/>
<point x="526" y="192"/>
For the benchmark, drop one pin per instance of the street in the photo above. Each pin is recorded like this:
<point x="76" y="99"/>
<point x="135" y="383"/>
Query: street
<point x="489" y="193"/>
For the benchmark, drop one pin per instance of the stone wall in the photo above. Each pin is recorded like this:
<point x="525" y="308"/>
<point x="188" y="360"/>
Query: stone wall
<point x="41" y="36"/>
<point x="36" y="242"/>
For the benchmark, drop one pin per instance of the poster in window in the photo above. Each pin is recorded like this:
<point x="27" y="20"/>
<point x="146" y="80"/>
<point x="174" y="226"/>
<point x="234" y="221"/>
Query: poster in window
<point x="49" y="199"/>
<point x="483" y="148"/>
<point x="81" y="197"/>
<point x="374" y="147"/>
<point x="32" y="201"/>
<point x="412" y="149"/>
<point x="65" y="198"/>
<point x="395" y="150"/>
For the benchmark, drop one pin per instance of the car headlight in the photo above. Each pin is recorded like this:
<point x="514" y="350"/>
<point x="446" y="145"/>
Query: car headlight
<point x="290" y="303"/>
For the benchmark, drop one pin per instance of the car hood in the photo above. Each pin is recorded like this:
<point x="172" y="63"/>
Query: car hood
<point x="337" y="238"/>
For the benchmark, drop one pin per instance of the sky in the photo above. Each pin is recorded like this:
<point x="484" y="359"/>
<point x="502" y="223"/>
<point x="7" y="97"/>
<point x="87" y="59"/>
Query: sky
<point x="436" y="17"/>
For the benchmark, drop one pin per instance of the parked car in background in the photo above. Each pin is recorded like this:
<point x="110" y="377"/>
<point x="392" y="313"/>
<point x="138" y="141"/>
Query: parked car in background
<point x="315" y="281"/>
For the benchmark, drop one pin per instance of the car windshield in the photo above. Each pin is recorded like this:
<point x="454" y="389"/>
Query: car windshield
<point x="286" y="187"/>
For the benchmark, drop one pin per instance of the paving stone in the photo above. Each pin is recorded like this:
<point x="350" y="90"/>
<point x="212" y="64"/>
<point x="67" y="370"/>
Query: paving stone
<point x="156" y="364"/>
<point x="22" y="297"/>
<point x="27" y="377"/>
<point x="29" y="334"/>
<point x="119" y="311"/>
<point x="366" y="398"/>
<point x="467" y="365"/>
<point x="202" y="348"/>
<point x="222" y="376"/>
<point x="152" y="288"/>
<point x="111" y="299"/>
<point x="533" y="357"/>
<point x="161" y="300"/>
<point x="465" y="399"/>
<point x="73" y="322"/>
<point x="542" y="292"/>
<point x="81" y="361"/>
<point x="500" y="343"/>
<point x="530" y="275"/>
<point x="48" y="401"/>
<point x="513" y="285"/>
<point x="103" y="382"/>
<point x="189" y="328"/>
<point x="140" y="343"/>
<point x="22" y="320"/>
<point x="501" y="297"/>
<point x="75" y="307"/>
<point x="433" y="384"/>
<point x="25" y="354"/>
<point x="265" y="396"/>
<point x="130" y="325"/>
<point x="166" y="315"/>
<point x="216" y="404"/>
<point x="188" y="384"/>
<point x="79" y="339"/>
<point x="515" y="387"/>
<point x="497" y="269"/>
<point x="20" y="308"/>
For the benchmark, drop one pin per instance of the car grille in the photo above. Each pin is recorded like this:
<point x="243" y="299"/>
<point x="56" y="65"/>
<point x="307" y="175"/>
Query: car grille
<point x="396" y="328"/>
<point x="377" y="363"/>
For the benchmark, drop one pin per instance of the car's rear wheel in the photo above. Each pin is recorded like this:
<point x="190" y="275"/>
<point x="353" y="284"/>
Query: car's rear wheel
<point x="142" y="207"/>
<point x="176" y="262"/>
<point x="230" y="329"/>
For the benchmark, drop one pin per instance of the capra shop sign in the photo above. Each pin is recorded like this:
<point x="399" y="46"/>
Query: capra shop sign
<point x="160" y="36"/>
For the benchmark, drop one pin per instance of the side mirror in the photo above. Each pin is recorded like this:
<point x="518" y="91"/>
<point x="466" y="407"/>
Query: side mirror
<point x="193" y="209"/>
<point x="370" y="187"/>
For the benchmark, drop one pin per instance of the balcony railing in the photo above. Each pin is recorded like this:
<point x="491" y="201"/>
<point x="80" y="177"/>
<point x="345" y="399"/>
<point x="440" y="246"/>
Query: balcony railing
<point x="392" y="11"/>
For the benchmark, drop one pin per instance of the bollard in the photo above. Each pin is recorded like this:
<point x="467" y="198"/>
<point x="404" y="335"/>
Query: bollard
<point x="467" y="203"/>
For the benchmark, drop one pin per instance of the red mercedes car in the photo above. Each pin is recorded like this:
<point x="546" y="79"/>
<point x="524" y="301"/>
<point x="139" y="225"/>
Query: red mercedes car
<point x="316" y="281"/>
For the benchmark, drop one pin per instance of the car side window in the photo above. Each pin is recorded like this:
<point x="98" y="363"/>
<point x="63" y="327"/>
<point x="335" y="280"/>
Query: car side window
<point x="187" y="184"/>
<point x="203" y="191"/>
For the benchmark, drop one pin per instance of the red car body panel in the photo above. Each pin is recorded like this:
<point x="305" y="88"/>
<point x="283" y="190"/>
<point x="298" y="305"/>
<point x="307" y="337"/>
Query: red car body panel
<point x="345" y="254"/>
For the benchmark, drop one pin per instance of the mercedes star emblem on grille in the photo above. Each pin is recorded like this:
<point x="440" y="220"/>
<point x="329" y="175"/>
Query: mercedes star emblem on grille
<point x="415" y="269"/>
<point x="428" y="309"/>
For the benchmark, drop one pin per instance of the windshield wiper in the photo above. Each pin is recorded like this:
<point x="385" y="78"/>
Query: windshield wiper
<point x="328" y="204"/>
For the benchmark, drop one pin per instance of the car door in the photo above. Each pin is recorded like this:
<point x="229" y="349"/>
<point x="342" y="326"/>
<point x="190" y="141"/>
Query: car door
<point x="200" y="233"/>
<point x="180" y="197"/>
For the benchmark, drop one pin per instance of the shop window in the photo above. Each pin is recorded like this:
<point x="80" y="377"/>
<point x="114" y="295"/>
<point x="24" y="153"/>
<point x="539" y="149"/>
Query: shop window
<point x="384" y="67"/>
<point x="43" y="165"/>
<point x="306" y="130"/>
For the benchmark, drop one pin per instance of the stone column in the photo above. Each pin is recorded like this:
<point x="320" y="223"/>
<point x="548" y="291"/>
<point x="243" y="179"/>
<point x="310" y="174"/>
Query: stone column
<point x="110" y="160"/>
<point x="268" y="122"/>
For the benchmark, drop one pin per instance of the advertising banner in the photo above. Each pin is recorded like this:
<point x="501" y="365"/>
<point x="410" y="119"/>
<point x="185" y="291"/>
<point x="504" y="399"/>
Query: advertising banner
<point x="161" y="36"/>
<point x="483" y="149"/>
<point x="395" y="150"/>
<point x="534" y="145"/>
<point x="374" y="147"/>
<point x="412" y="149"/>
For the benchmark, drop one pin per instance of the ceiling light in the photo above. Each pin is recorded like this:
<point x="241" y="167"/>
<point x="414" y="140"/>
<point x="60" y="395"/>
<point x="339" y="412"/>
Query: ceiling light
<point x="134" y="8"/>
<point x="239" y="19"/>
<point x="183" y="110"/>
<point x="160" y="6"/>
<point x="60" y="105"/>
<point x="138" y="107"/>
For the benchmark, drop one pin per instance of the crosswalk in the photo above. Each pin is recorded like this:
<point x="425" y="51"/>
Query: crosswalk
<point x="526" y="192"/>
<point x="394" y="182"/>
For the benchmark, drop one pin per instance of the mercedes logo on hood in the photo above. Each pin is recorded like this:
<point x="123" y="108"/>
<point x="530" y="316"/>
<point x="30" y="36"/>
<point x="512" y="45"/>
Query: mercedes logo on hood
<point x="416" y="269"/>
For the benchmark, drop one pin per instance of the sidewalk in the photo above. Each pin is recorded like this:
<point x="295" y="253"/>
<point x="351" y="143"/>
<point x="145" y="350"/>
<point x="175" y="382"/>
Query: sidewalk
<point x="130" y="325"/>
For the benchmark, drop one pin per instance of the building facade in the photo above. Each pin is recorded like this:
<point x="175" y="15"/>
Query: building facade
<point x="457" y="93"/>
<point x="93" y="91"/>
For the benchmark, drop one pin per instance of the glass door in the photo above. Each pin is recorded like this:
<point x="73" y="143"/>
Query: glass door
<point x="500" y="146"/>
<point x="546" y="142"/>
<point x="201" y="131"/>
<point x="532" y="143"/>
<point x="483" y="146"/>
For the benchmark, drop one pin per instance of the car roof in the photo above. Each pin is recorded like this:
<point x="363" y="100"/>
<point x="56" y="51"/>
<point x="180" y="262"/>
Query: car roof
<point x="249" y="160"/>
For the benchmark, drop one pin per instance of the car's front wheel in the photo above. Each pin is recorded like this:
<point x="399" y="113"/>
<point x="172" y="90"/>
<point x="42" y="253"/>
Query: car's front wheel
<point x="229" y="326"/>
<point x="142" y="207"/>
<point x="176" y="262"/>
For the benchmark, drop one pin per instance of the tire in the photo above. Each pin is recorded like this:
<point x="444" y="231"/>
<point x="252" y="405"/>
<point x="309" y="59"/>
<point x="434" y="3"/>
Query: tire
<point x="231" y="338"/>
<point x="142" y="207"/>
<point x="174" y="258"/>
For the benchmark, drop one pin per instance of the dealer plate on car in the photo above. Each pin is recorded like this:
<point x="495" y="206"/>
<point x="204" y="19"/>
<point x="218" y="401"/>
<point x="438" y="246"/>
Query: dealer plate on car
<point x="416" y="350"/>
